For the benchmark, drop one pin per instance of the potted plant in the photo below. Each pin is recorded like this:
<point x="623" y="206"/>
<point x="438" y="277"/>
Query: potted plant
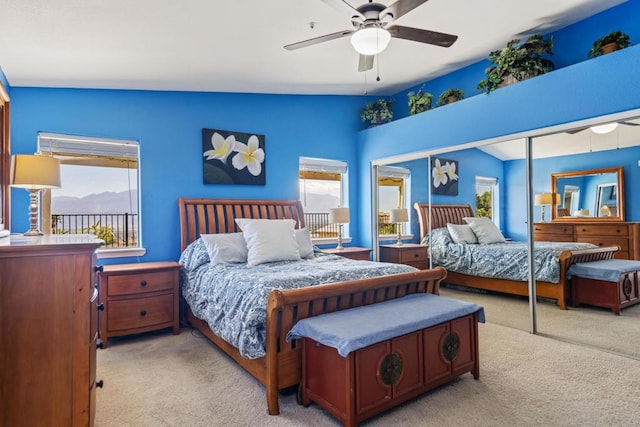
<point x="449" y="96"/>
<point x="611" y="42"/>
<point x="518" y="61"/>
<point x="378" y="112"/>
<point x="419" y="102"/>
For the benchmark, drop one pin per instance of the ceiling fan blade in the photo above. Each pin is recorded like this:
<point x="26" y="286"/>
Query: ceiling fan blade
<point x="344" y="8"/>
<point x="422" y="36"/>
<point x="365" y="63"/>
<point x="399" y="8"/>
<point x="320" y="39"/>
<point x="573" y="131"/>
<point x="629" y="123"/>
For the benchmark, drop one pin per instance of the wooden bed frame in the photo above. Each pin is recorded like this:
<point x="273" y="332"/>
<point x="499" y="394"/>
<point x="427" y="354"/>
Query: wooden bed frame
<point x="437" y="216"/>
<point x="281" y="367"/>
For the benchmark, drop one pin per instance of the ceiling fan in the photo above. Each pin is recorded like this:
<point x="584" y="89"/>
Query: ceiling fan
<point x="373" y="30"/>
<point x="604" y="128"/>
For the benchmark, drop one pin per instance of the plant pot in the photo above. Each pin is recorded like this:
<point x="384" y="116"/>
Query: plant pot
<point x="451" y="99"/>
<point x="509" y="80"/>
<point x="608" y="48"/>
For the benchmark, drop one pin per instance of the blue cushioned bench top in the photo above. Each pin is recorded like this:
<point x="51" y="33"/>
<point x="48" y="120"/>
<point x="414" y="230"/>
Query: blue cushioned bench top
<point x="349" y="330"/>
<point x="608" y="270"/>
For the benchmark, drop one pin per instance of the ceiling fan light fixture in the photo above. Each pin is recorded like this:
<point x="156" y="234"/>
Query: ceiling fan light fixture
<point x="370" y="41"/>
<point x="605" y="128"/>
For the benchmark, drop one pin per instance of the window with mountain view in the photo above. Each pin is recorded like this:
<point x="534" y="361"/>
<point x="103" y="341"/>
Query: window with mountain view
<point x="486" y="198"/>
<point x="322" y="187"/>
<point x="99" y="192"/>
<point x="392" y="187"/>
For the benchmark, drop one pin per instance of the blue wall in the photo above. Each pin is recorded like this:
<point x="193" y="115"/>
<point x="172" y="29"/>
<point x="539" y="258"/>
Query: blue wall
<point x="586" y="89"/>
<point x="3" y="80"/>
<point x="169" y="125"/>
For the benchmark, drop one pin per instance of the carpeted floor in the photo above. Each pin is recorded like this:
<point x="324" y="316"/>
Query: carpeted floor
<point x="589" y="325"/>
<point x="525" y="380"/>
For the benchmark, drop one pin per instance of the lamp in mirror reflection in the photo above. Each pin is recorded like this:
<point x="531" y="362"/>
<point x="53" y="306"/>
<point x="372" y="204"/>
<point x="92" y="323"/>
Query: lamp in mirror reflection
<point x="605" y="128"/>
<point x="34" y="173"/>
<point x="399" y="216"/>
<point x="339" y="216"/>
<point x="546" y="199"/>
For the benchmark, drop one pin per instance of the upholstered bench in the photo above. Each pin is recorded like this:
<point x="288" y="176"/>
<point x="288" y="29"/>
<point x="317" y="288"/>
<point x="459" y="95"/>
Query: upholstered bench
<point x="609" y="283"/>
<point x="359" y="362"/>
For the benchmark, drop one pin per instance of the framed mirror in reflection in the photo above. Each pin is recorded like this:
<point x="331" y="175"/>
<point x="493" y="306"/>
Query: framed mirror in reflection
<point x="590" y="195"/>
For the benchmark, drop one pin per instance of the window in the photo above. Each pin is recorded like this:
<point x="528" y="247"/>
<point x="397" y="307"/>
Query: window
<point x="392" y="187"/>
<point x="487" y="200"/>
<point x="99" y="193"/>
<point x="322" y="187"/>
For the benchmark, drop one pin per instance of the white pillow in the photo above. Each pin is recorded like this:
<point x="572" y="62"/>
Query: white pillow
<point x="269" y="240"/>
<point x="462" y="233"/>
<point x="485" y="230"/>
<point x="225" y="247"/>
<point x="304" y="243"/>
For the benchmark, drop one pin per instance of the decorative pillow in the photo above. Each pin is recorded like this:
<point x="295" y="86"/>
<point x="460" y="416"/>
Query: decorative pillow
<point x="485" y="230"/>
<point x="462" y="233"/>
<point x="225" y="248"/>
<point x="304" y="243"/>
<point x="269" y="240"/>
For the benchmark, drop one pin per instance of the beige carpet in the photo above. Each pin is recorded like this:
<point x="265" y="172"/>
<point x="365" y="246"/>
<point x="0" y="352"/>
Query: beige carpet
<point x="589" y="325"/>
<point x="525" y="380"/>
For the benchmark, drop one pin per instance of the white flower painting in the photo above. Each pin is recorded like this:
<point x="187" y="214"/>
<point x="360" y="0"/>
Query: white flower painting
<point x="444" y="174"/>
<point x="233" y="157"/>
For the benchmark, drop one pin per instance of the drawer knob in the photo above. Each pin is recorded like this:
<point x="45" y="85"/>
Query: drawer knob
<point x="100" y="345"/>
<point x="143" y="312"/>
<point x="143" y="283"/>
<point x="101" y="306"/>
<point x="100" y="384"/>
<point x="98" y="268"/>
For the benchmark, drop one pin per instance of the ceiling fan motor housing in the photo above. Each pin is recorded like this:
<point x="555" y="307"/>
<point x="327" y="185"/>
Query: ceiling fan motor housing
<point x="371" y="14"/>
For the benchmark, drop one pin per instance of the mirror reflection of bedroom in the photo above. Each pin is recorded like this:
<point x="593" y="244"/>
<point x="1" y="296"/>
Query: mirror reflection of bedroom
<point x="469" y="207"/>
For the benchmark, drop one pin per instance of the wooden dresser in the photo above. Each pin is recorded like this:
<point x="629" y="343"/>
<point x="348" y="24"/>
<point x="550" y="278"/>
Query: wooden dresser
<point x="351" y="252"/>
<point x="624" y="234"/>
<point x="48" y="330"/>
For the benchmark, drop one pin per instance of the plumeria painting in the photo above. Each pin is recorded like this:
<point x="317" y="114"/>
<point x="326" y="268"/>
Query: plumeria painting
<point x="233" y="157"/>
<point x="444" y="177"/>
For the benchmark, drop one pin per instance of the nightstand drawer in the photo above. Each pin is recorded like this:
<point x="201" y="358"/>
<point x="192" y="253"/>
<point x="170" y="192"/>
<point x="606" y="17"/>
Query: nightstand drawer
<point x="140" y="312"/>
<point x="135" y="283"/>
<point x="413" y="254"/>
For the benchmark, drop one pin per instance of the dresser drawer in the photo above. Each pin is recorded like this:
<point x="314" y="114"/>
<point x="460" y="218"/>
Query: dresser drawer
<point x="422" y="265"/>
<point x="554" y="229"/>
<point x="413" y="254"/>
<point x="609" y="230"/>
<point x="140" y="312"/>
<point x="604" y="241"/>
<point x="544" y="237"/>
<point x="135" y="283"/>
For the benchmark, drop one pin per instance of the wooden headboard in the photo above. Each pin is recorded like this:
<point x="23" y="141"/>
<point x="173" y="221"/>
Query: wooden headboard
<point x="211" y="216"/>
<point x="440" y="215"/>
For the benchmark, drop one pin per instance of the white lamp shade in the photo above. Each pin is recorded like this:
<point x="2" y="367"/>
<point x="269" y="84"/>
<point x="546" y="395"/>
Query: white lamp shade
<point x="399" y="215"/>
<point x="35" y="172"/>
<point x="545" y="199"/>
<point x="339" y="216"/>
<point x="370" y="41"/>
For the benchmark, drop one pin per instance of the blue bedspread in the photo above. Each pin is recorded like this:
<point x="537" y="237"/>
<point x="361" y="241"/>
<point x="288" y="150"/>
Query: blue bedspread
<point x="232" y="298"/>
<point x="499" y="260"/>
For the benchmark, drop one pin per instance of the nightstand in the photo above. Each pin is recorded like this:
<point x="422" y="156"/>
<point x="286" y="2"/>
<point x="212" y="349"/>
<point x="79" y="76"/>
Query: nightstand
<point x="411" y="254"/>
<point x="360" y="254"/>
<point x="139" y="298"/>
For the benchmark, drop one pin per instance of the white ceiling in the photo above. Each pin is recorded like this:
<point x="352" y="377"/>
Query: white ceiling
<point x="237" y="45"/>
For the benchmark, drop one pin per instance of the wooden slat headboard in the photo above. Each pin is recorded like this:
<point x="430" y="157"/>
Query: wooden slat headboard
<point x="210" y="216"/>
<point x="440" y="215"/>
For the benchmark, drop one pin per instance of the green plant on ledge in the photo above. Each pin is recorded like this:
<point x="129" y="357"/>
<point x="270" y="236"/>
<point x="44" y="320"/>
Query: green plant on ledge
<point x="378" y="112"/>
<point x="518" y="61"/>
<point x="449" y="96"/>
<point x="617" y="40"/>
<point x="103" y="232"/>
<point x="419" y="102"/>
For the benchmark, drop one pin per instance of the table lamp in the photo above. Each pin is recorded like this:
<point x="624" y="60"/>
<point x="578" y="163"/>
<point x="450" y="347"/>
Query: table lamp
<point x="339" y="216"/>
<point x="399" y="216"/>
<point x="546" y="199"/>
<point x="34" y="173"/>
